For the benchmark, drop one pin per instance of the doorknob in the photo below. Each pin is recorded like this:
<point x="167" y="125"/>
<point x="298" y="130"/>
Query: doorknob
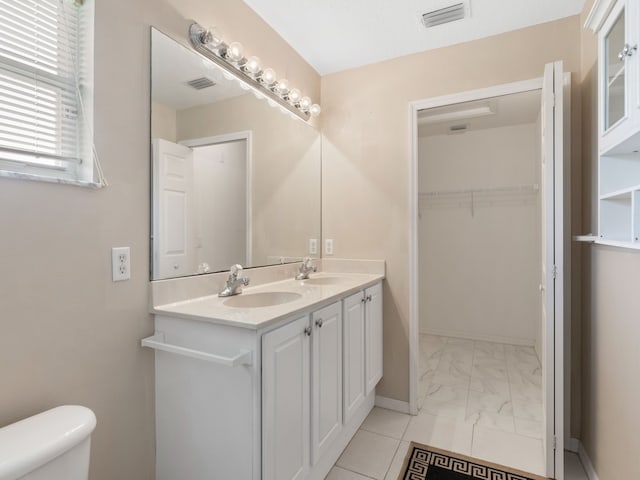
<point x="541" y="287"/>
<point x="627" y="51"/>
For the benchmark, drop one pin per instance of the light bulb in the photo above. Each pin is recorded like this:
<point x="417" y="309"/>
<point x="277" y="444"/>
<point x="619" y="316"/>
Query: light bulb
<point x="268" y="76"/>
<point x="210" y="38"/>
<point x="294" y="95"/>
<point x="283" y="86"/>
<point x="305" y="104"/>
<point x="234" y="52"/>
<point x="253" y="65"/>
<point x="315" y="110"/>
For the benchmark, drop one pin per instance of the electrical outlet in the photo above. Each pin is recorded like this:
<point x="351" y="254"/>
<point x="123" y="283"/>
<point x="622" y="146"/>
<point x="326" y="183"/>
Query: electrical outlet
<point x="313" y="246"/>
<point x="328" y="246"/>
<point x="121" y="263"/>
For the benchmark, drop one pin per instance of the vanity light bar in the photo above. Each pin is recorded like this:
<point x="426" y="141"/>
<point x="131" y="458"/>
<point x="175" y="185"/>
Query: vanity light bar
<point x="229" y="57"/>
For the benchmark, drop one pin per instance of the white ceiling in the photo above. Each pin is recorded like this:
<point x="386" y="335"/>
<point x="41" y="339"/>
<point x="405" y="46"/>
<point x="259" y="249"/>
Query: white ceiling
<point x="173" y="65"/>
<point x="514" y="109"/>
<point x="335" y="35"/>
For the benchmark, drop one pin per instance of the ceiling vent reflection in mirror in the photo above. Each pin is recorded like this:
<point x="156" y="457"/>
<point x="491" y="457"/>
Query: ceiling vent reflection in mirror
<point x="263" y="82"/>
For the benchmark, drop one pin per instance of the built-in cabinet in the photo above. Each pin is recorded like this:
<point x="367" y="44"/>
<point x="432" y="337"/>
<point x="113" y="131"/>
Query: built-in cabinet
<point x="617" y="24"/>
<point x="317" y="372"/>
<point x="277" y="403"/>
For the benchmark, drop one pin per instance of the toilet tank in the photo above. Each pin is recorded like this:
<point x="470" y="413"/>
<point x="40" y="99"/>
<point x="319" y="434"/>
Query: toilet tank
<point x="53" y="445"/>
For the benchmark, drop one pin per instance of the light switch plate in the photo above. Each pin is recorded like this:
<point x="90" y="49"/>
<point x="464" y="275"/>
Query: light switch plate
<point x="313" y="246"/>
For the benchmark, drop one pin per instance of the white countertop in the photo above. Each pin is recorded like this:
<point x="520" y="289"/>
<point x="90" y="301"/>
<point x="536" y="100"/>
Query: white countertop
<point x="212" y="308"/>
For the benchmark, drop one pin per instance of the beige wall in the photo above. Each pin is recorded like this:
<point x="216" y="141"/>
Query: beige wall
<point x="285" y="171"/>
<point x="163" y="122"/>
<point x="366" y="152"/>
<point x="70" y="335"/>
<point x="480" y="269"/>
<point x="611" y="306"/>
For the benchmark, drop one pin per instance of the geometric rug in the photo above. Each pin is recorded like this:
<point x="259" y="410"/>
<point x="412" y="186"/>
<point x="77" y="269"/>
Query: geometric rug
<point x="427" y="463"/>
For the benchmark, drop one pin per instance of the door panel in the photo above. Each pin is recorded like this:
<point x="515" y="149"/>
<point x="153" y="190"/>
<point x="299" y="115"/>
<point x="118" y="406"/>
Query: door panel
<point x="326" y="383"/>
<point x="285" y="402"/>
<point x="354" y="371"/>
<point x="173" y="236"/>
<point x="552" y="287"/>
<point x="373" y="329"/>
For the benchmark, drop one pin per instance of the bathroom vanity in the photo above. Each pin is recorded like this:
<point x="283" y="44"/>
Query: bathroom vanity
<point x="270" y="384"/>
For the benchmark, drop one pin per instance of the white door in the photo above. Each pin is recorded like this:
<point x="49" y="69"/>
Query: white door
<point x="552" y="286"/>
<point x="326" y="379"/>
<point x="173" y="223"/>
<point x="373" y="333"/>
<point x="353" y="368"/>
<point x="285" y="401"/>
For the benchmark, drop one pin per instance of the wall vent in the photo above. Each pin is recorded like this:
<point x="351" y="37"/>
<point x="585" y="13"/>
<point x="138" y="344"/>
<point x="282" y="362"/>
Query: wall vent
<point x="444" y="15"/>
<point x="201" y="83"/>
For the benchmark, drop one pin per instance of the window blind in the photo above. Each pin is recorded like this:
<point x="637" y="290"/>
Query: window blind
<point x="42" y="129"/>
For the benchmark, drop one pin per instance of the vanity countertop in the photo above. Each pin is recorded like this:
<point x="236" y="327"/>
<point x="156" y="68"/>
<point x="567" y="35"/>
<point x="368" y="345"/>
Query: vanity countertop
<point x="320" y="288"/>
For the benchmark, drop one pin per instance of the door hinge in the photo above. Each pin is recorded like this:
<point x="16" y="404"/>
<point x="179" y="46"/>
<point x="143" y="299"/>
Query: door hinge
<point x="555" y="442"/>
<point x="554" y="271"/>
<point x="553" y="100"/>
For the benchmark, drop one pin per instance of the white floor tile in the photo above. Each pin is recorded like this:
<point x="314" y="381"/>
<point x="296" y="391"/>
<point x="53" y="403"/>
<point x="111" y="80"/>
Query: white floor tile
<point x="397" y="462"/>
<point x="492" y="420"/>
<point x="440" y="432"/>
<point x="528" y="428"/>
<point x="508" y="449"/>
<point x="386" y="422"/>
<point x="446" y="401"/>
<point x="369" y="454"/>
<point x="338" y="473"/>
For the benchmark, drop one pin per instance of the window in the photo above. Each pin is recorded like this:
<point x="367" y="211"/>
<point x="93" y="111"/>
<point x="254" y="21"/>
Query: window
<point x="46" y="73"/>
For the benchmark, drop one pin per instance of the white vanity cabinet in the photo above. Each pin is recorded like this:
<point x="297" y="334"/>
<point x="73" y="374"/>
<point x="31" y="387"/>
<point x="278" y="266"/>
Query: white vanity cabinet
<point x="278" y="402"/>
<point x="617" y="24"/>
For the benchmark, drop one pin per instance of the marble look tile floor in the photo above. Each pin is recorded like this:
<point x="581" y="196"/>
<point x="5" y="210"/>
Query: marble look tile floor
<point x="476" y="398"/>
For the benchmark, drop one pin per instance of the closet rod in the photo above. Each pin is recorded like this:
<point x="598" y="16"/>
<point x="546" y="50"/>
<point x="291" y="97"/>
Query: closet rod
<point x="515" y="189"/>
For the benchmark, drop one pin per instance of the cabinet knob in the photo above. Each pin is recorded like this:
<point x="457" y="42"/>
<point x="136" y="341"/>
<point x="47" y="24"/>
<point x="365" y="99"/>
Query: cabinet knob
<point x="307" y="331"/>
<point x="627" y="51"/>
<point x="368" y="298"/>
<point x="364" y="299"/>
<point x="319" y="323"/>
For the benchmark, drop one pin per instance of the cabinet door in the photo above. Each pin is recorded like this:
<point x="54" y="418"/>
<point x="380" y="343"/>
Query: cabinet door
<point x="285" y="401"/>
<point x="353" y="354"/>
<point x="326" y="379"/>
<point x="373" y="336"/>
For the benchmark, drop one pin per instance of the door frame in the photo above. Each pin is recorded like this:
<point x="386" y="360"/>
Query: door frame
<point x="451" y="99"/>
<point x="227" y="138"/>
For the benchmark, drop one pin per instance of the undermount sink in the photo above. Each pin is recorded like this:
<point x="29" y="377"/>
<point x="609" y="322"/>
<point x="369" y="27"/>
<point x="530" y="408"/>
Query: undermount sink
<point x="324" y="281"/>
<point x="262" y="299"/>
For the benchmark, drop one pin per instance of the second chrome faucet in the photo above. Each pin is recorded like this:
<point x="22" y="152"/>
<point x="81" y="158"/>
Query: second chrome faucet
<point x="305" y="269"/>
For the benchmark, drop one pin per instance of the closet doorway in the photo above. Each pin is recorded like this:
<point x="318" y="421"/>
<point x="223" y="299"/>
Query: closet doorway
<point x="487" y="269"/>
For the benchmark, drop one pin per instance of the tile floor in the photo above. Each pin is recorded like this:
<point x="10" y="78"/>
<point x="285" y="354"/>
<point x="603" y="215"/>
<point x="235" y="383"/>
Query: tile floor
<point x="477" y="398"/>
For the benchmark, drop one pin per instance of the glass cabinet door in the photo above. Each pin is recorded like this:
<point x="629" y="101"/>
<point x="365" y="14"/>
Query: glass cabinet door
<point x="615" y="73"/>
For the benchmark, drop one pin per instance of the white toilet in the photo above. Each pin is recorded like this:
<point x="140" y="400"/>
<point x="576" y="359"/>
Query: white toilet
<point x="53" y="445"/>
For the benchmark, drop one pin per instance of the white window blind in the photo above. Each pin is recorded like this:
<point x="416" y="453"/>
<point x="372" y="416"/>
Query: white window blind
<point x="45" y="111"/>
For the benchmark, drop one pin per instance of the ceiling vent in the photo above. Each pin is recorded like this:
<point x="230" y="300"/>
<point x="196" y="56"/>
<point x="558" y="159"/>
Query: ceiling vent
<point x="201" y="83"/>
<point x="444" y="15"/>
<point x="458" y="128"/>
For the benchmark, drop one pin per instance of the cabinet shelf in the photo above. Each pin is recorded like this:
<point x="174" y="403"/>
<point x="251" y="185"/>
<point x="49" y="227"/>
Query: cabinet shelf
<point x="620" y="194"/>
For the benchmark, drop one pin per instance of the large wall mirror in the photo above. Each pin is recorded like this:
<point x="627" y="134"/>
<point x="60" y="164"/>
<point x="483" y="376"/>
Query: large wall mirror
<point x="234" y="179"/>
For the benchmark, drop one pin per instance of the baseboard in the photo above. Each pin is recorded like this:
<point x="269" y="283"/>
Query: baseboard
<point x="586" y="463"/>
<point x="482" y="338"/>
<point x="572" y="444"/>
<point x="392" y="404"/>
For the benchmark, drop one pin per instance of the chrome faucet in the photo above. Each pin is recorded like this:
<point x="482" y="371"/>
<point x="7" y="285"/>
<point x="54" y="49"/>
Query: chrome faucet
<point x="305" y="269"/>
<point x="234" y="282"/>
